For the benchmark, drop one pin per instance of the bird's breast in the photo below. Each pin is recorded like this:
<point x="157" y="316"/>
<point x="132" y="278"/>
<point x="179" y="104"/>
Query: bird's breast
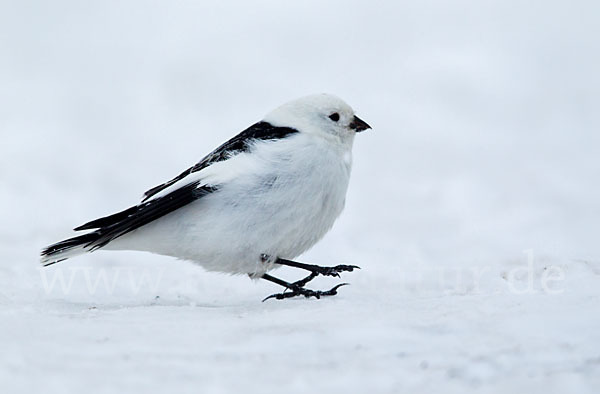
<point x="297" y="200"/>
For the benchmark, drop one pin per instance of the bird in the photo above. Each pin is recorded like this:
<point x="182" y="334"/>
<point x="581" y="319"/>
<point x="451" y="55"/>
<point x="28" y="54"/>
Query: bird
<point x="253" y="204"/>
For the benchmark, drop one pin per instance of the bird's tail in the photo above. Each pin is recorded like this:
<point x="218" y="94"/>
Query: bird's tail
<point x="108" y="228"/>
<point x="69" y="248"/>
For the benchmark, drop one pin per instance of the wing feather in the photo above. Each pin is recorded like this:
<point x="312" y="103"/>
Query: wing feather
<point x="237" y="144"/>
<point x="114" y="226"/>
<point x="154" y="205"/>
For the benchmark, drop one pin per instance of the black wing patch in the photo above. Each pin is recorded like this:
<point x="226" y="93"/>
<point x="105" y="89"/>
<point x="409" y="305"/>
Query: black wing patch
<point x="239" y="143"/>
<point x="114" y="226"/>
<point x="108" y="220"/>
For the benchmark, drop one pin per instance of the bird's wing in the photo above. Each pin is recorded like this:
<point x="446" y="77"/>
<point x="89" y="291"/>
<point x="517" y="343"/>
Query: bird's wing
<point x="121" y="223"/>
<point x="239" y="143"/>
<point x="180" y="190"/>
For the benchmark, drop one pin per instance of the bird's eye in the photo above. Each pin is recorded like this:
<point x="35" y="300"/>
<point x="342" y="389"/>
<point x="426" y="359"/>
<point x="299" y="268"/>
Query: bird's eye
<point x="334" y="116"/>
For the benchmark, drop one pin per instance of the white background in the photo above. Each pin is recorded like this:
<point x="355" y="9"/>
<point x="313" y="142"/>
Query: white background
<point x="473" y="207"/>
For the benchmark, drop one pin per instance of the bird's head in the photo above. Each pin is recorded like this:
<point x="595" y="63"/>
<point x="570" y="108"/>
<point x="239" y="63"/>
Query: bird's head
<point x="321" y="114"/>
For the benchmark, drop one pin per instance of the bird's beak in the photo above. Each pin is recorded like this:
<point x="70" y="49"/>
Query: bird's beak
<point x="359" y="125"/>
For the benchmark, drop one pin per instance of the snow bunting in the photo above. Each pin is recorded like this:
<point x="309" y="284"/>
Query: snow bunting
<point x="259" y="200"/>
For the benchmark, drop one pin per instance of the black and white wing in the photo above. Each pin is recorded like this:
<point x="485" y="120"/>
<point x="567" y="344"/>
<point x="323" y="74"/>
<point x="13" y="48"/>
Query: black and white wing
<point x="153" y="205"/>
<point x="239" y="143"/>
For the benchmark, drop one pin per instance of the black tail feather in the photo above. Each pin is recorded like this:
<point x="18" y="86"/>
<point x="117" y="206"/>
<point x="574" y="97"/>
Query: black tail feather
<point x="108" y="220"/>
<point x="67" y="245"/>
<point x="110" y="227"/>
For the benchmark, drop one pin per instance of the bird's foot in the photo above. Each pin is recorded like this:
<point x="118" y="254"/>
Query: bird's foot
<point x="334" y="271"/>
<point x="295" y="291"/>
<point x="317" y="269"/>
<point x="303" y="282"/>
<point x="297" y="288"/>
<point x="325" y="271"/>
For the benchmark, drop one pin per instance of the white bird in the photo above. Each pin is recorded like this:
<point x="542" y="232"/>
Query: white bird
<point x="259" y="200"/>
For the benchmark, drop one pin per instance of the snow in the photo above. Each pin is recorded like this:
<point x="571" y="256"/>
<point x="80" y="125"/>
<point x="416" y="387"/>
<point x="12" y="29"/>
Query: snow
<point x="472" y="210"/>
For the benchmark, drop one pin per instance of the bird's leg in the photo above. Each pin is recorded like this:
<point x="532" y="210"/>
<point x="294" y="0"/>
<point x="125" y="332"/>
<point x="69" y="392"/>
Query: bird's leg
<point x="317" y="269"/>
<point x="296" y="288"/>
<point x="302" y="282"/>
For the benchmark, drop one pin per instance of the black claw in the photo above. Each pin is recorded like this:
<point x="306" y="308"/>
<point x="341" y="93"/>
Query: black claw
<point x="334" y="290"/>
<point x="326" y="271"/>
<point x="297" y="288"/>
<point x="300" y="291"/>
<point x="278" y="296"/>
<point x="335" y="271"/>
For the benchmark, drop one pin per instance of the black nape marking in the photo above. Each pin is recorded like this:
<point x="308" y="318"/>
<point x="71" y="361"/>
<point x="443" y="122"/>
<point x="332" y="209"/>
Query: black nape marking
<point x="239" y="143"/>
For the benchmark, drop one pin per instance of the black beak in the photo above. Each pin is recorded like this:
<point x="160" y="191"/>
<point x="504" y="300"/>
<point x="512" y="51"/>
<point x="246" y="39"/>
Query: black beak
<point x="359" y="125"/>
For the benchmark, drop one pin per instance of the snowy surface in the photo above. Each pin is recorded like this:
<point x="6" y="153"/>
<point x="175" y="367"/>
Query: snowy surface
<point x="473" y="207"/>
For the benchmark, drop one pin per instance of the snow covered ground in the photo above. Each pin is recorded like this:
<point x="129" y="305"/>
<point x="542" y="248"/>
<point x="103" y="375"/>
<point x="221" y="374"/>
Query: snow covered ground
<point x="473" y="207"/>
